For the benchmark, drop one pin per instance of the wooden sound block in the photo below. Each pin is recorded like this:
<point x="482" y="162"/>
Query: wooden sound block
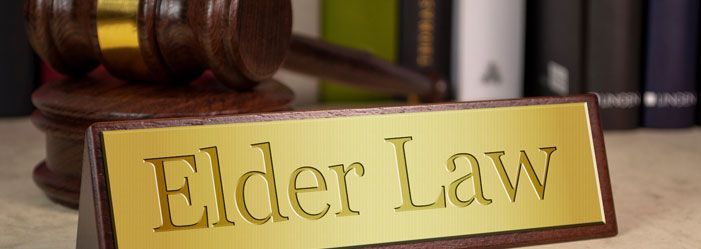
<point x="68" y="107"/>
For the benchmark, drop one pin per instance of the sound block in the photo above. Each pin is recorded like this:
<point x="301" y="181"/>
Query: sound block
<point x="66" y="108"/>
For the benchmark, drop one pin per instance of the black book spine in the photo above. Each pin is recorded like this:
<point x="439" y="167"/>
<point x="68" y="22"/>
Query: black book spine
<point x="671" y="64"/>
<point x="613" y="62"/>
<point x="17" y="68"/>
<point x="555" y="39"/>
<point x="425" y="36"/>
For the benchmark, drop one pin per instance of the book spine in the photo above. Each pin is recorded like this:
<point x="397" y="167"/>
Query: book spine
<point x="369" y="25"/>
<point x="488" y="37"/>
<point x="17" y="68"/>
<point x="425" y="37"/>
<point x="671" y="64"/>
<point x="613" y="62"/>
<point x="555" y="47"/>
<point x="306" y="21"/>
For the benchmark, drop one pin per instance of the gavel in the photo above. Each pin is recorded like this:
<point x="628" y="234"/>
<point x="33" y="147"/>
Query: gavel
<point x="153" y="49"/>
<point x="243" y="42"/>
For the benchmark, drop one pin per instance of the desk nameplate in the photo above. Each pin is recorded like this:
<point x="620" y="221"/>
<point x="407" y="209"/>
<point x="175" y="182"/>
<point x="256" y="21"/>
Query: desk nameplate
<point x="498" y="173"/>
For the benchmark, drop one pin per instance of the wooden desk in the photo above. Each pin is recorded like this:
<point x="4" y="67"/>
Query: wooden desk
<point x="656" y="177"/>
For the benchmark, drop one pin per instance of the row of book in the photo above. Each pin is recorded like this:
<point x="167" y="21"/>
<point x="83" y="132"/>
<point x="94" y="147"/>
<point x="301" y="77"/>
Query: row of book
<point x="639" y="57"/>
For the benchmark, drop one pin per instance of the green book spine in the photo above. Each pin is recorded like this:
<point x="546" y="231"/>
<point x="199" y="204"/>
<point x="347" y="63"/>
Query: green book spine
<point x="368" y="25"/>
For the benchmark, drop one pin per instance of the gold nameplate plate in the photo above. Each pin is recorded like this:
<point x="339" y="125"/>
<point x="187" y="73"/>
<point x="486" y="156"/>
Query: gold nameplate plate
<point x="499" y="173"/>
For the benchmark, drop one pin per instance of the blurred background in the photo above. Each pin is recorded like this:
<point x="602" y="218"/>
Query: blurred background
<point x="639" y="57"/>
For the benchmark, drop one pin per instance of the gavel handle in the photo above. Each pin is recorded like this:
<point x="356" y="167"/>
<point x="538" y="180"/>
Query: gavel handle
<point x="357" y="68"/>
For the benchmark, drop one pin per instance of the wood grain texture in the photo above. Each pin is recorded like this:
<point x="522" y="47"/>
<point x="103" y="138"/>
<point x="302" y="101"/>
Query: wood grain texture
<point x="100" y="203"/>
<point x="60" y="189"/>
<point x="150" y="52"/>
<point x="67" y="108"/>
<point x="69" y="25"/>
<point x="187" y="63"/>
<point x="47" y="31"/>
<point x="244" y="41"/>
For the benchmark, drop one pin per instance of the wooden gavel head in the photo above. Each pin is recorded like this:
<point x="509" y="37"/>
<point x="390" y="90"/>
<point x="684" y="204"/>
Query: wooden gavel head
<point x="241" y="41"/>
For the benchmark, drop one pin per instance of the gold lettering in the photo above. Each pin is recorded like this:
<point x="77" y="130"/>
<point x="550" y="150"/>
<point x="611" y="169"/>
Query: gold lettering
<point x="525" y="163"/>
<point x="164" y="193"/>
<point x="294" y="191"/>
<point x="218" y="190"/>
<point x="476" y="182"/>
<point x="407" y="202"/>
<point x="343" y="186"/>
<point x="269" y="177"/>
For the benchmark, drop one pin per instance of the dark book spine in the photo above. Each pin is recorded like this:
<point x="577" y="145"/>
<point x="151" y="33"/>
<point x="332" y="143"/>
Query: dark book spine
<point x="613" y="62"/>
<point x="671" y="64"/>
<point x="555" y="39"/>
<point x="425" y="37"/>
<point x="17" y="68"/>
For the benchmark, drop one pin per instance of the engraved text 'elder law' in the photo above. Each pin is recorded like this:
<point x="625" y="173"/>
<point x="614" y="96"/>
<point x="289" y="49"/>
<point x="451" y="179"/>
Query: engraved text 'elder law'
<point x="344" y="173"/>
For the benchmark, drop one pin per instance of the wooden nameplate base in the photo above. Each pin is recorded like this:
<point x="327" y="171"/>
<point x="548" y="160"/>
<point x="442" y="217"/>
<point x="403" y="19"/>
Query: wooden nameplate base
<point x="458" y="175"/>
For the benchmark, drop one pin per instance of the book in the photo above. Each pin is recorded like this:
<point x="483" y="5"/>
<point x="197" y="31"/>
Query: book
<point x="425" y="37"/>
<point x="581" y="46"/>
<point x="306" y="20"/>
<point x="489" y="49"/>
<point x="671" y="64"/>
<point x="555" y="47"/>
<point x="614" y="60"/>
<point x="17" y="63"/>
<point x="369" y="25"/>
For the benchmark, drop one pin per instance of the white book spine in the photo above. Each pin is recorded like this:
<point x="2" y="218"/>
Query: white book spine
<point x="306" y="20"/>
<point x="489" y="37"/>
